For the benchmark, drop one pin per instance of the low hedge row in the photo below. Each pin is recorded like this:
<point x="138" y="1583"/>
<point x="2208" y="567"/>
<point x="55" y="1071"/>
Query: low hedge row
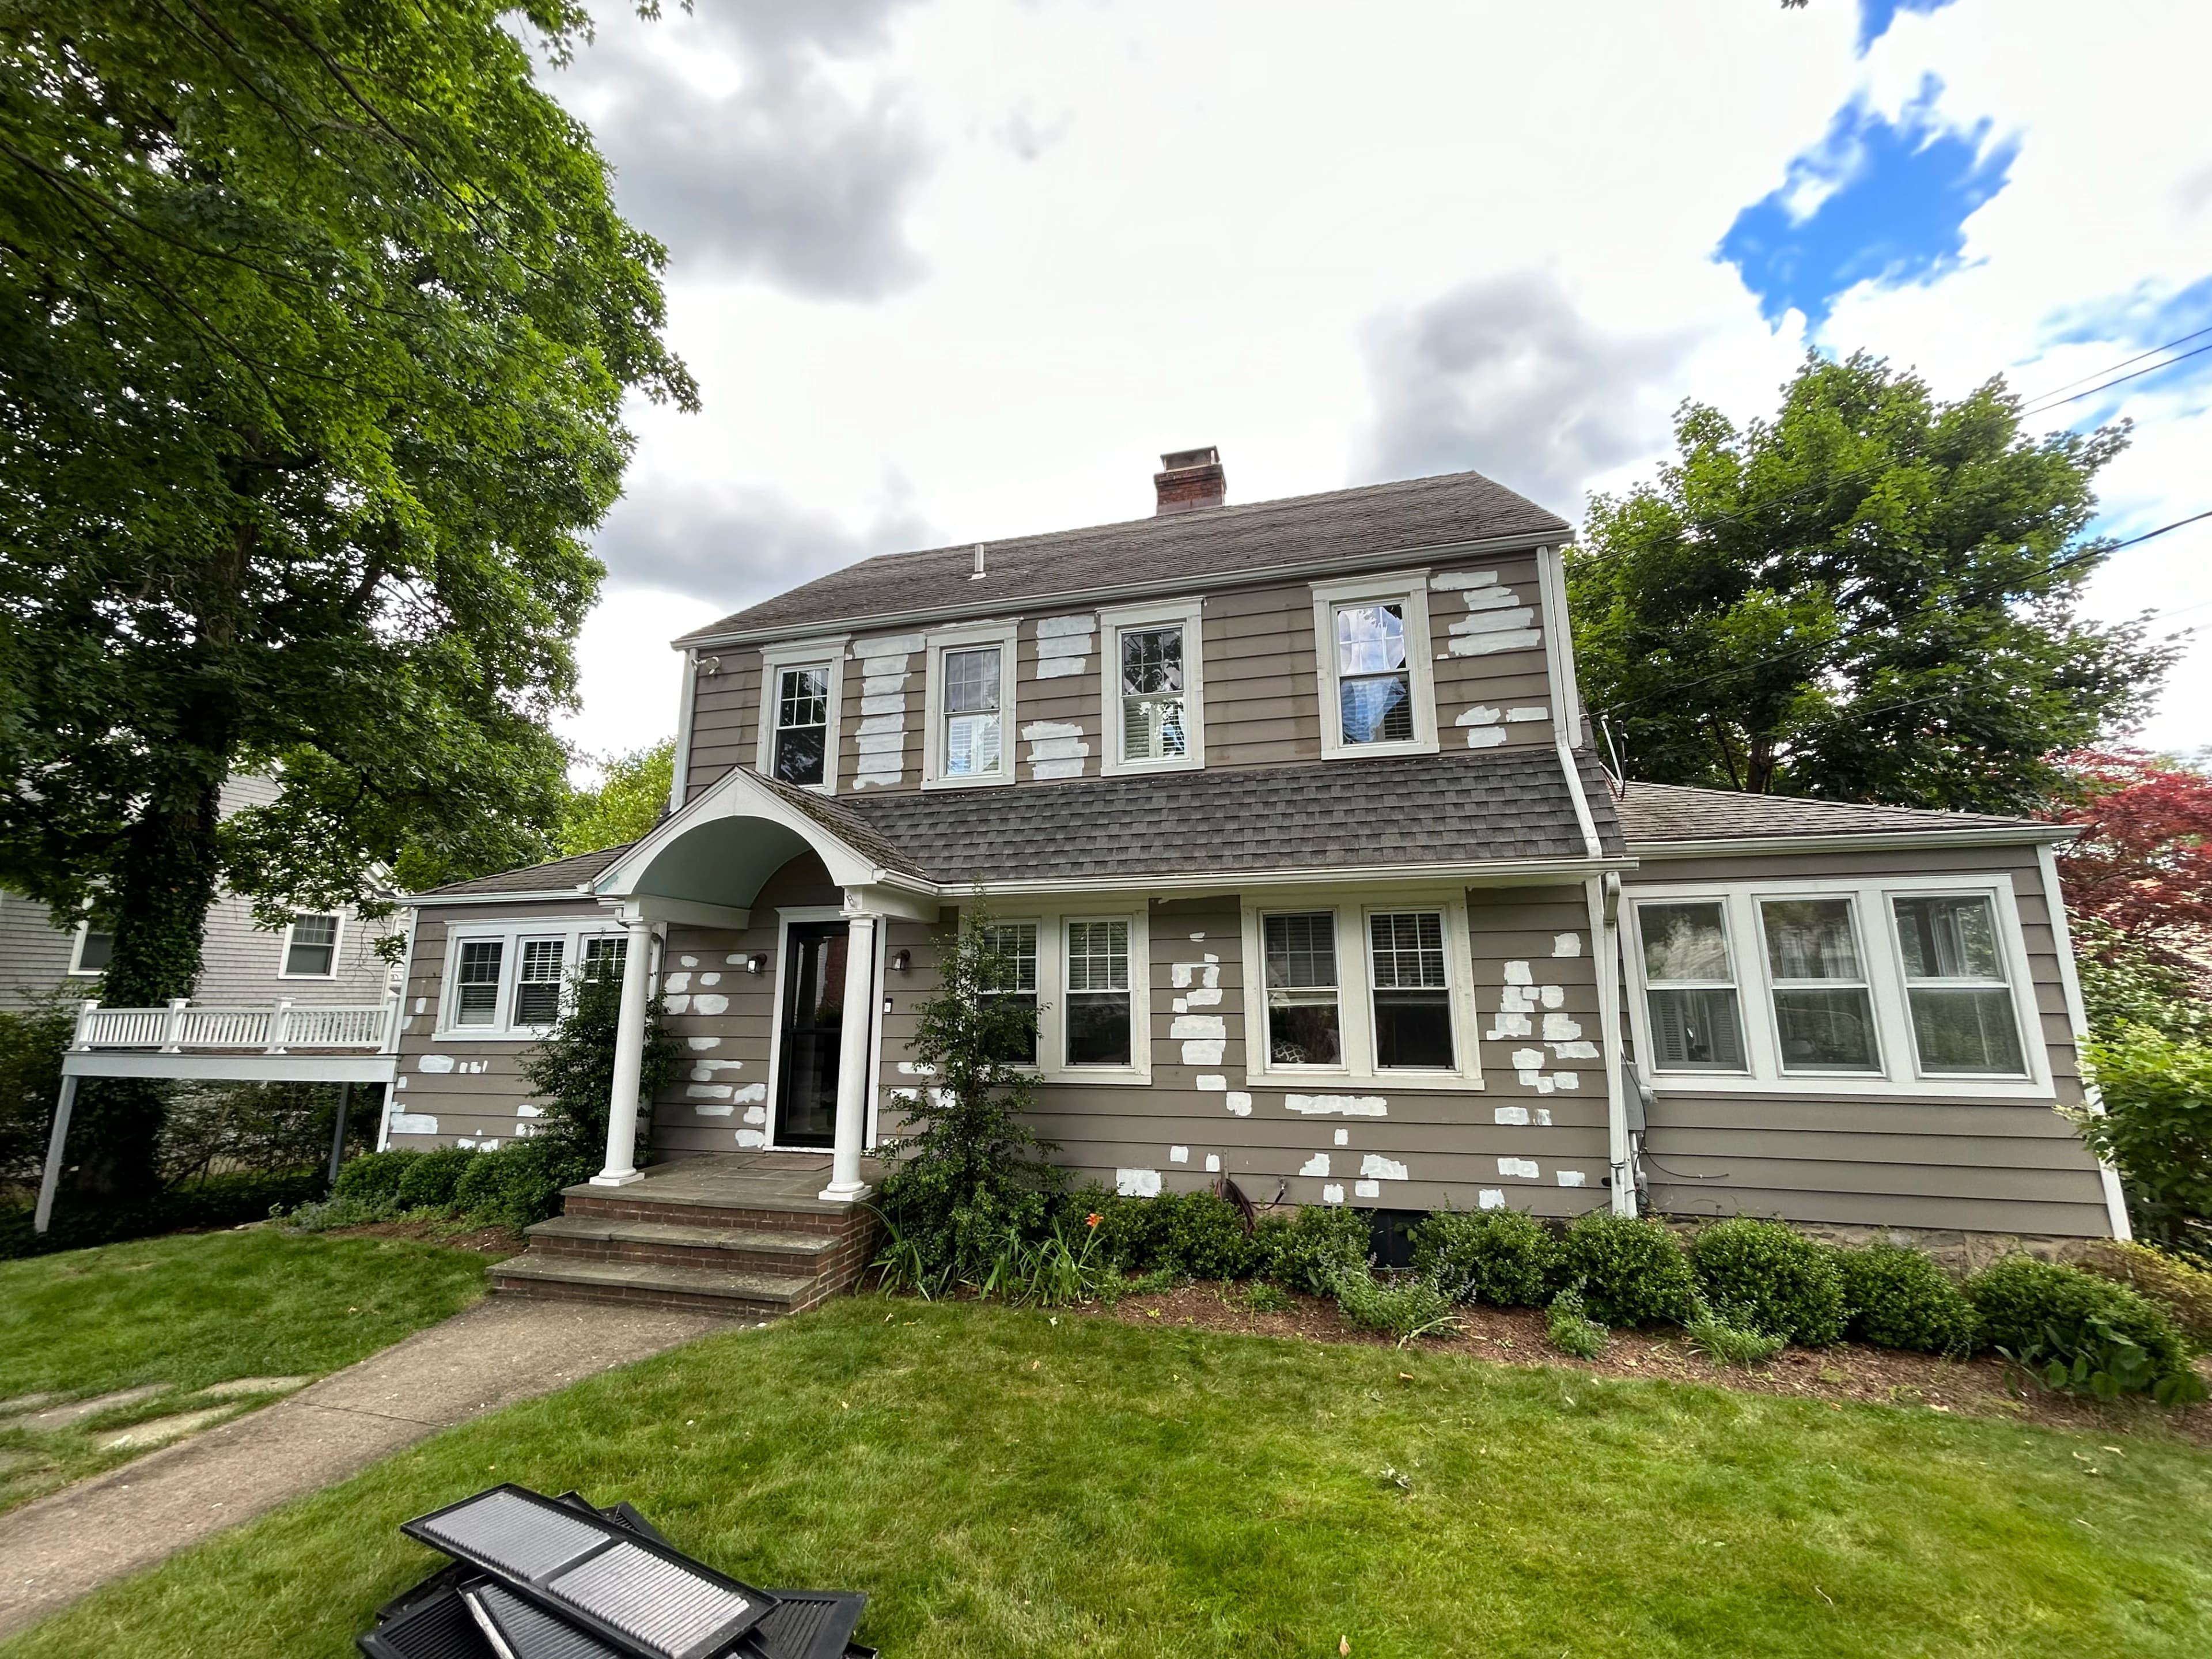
<point x="510" y="1186"/>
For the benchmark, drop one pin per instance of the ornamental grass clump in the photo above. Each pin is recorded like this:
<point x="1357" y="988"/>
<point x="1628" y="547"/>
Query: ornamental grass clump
<point x="1505" y="1258"/>
<point x="2071" y="1330"/>
<point x="1405" y="1308"/>
<point x="1899" y="1298"/>
<point x="1730" y="1336"/>
<point x="1628" y="1270"/>
<point x="1768" y="1279"/>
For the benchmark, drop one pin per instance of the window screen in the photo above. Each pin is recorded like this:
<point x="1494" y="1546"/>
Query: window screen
<point x="1374" y="687"/>
<point x="537" y="986"/>
<point x="312" y="952"/>
<point x="1152" y="713"/>
<point x="802" y="724"/>
<point x="1963" y="1019"/>
<point x="475" y="982"/>
<point x="1690" y="988"/>
<point x="973" y="739"/>
<point x="1412" y="1000"/>
<point x="1098" y="993"/>
<point x="1303" y="1024"/>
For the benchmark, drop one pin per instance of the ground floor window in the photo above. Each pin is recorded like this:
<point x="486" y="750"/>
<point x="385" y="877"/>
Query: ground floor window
<point x="1361" y="990"/>
<point x="1098" y="993"/>
<point x="1014" y="946"/>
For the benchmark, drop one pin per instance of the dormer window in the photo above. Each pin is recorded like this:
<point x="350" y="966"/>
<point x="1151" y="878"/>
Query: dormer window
<point x="1371" y="637"/>
<point x="1151" y="694"/>
<point x="802" y="724"/>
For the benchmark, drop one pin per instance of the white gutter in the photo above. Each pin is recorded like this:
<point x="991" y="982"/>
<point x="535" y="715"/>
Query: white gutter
<point x="1232" y="880"/>
<point x="2077" y="1018"/>
<point x="1082" y="596"/>
<point x="1870" y="841"/>
<point x="544" y="896"/>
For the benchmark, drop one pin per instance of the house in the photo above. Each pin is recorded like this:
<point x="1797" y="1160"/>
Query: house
<point x="1289" y="816"/>
<point x="327" y="956"/>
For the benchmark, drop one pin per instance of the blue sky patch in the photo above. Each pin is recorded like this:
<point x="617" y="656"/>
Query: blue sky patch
<point x="2135" y="323"/>
<point x="1876" y="15"/>
<point x="1874" y="201"/>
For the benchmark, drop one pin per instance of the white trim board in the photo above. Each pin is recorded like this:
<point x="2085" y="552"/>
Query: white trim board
<point x="241" y="1068"/>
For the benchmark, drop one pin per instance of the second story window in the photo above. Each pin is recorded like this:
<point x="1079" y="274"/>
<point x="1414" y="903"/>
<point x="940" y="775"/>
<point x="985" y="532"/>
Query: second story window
<point x="801" y="744"/>
<point x="94" y="951"/>
<point x="974" y="744"/>
<point x="1374" y="681"/>
<point x="311" y="948"/>
<point x="1152" y="723"/>
<point x="1378" y="689"/>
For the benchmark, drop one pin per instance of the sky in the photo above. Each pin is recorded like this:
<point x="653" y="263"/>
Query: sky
<point x="951" y="272"/>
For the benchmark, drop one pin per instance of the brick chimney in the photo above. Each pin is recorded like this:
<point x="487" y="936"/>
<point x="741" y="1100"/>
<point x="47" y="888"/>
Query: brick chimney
<point x="1190" y="478"/>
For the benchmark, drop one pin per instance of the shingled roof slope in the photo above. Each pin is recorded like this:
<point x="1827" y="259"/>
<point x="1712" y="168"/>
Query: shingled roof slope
<point x="1349" y="814"/>
<point x="1655" y="813"/>
<point x="561" y="876"/>
<point x="1175" y="547"/>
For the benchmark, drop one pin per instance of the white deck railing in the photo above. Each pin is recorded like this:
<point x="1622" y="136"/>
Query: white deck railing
<point x="275" y="1028"/>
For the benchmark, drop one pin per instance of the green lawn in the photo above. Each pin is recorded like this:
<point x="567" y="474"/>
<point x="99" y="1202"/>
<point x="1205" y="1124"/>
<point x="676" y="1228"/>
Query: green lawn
<point x="181" y="1314"/>
<point x="1006" y="1483"/>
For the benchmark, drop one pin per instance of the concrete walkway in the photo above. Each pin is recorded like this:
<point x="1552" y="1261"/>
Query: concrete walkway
<point x="498" y="1352"/>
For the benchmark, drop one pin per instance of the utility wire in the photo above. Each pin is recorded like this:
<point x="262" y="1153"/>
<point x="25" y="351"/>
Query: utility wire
<point x="2056" y="403"/>
<point x="2124" y="363"/>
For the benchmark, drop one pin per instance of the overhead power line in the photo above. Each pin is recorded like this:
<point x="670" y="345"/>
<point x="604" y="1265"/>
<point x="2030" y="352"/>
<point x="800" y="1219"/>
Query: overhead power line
<point x="2058" y="403"/>
<point x="2124" y="363"/>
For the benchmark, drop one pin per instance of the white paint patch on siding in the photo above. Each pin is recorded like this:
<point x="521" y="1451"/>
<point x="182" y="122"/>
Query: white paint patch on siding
<point x="752" y="1137"/>
<point x="913" y="1069"/>
<point x="688" y="962"/>
<point x="1539" y="713"/>
<point x="1367" y="1188"/>
<point x="1056" y="749"/>
<point x="1212" y="1080"/>
<point x="436" y="1065"/>
<point x="414" y="1123"/>
<point x="1527" y="1060"/>
<point x="1561" y="1028"/>
<point x="710" y="1002"/>
<point x="1344" y="1137"/>
<point x="1515" y="1115"/>
<point x="708" y="1090"/>
<point x="1375" y="1167"/>
<point x="756" y="1113"/>
<point x="677" y="1004"/>
<point x="1510" y="1025"/>
<point x="1571" y="1177"/>
<point x="1204" y="1052"/>
<point x="1566" y="1080"/>
<point x="1516" y="973"/>
<point x="1348" y="1105"/>
<point x="1136" y="1183"/>
<point x="881" y="740"/>
<point x="422" y="1004"/>
<point x="1239" y="1103"/>
<point x="1552" y="996"/>
<point x="1315" y="1165"/>
<point x="1525" y="1168"/>
<point x="1448" y="582"/>
<point x="1584" y="1050"/>
<point x="1543" y="1117"/>
<point x="1198" y="1025"/>
<point x="1332" y="1194"/>
<point x="751" y="1092"/>
<point x="1064" y="646"/>
<point x="1214" y="1163"/>
<point x="1496" y="619"/>
<point x="1202" y="997"/>
<point x="1178" y="1154"/>
<point x="1485" y="736"/>
<point x="701" y="1044"/>
<point x="1566" y="944"/>
<point x="1198" y="938"/>
<point x="1205" y="974"/>
<point x="1490" y="1197"/>
<point x="710" y="979"/>
<point x="527" y="1110"/>
<point x="707" y="1109"/>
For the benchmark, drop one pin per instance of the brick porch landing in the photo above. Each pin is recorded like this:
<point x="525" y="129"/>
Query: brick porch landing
<point x="741" y="1234"/>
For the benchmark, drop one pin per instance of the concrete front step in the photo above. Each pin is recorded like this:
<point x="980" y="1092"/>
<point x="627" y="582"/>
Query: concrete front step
<point x="744" y="1249"/>
<point x="658" y="1284"/>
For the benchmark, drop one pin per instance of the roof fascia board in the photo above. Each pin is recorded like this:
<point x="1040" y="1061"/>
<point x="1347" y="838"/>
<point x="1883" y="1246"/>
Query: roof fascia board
<point x="1166" y="587"/>
<point x="1486" y="872"/>
<point x="1865" y="842"/>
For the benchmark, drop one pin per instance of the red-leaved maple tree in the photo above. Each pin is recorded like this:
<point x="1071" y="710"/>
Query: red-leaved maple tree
<point x="2143" y="865"/>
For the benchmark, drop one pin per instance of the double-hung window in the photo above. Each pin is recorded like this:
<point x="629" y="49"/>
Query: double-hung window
<point x="1696" y="1021"/>
<point x="1413" y="991"/>
<point x="94" y="951"/>
<point x="1823" y="1008"/>
<point x="1154" y="707"/>
<point x="476" y="981"/>
<point x="802" y="741"/>
<point x="1376" y="692"/>
<point x="1305" y="1025"/>
<point x="604" y="956"/>
<point x="509" y="983"/>
<point x="1097" y="995"/>
<point x="1960" y="998"/>
<point x="974" y="739"/>
<point x="311" y="947"/>
<point x="1011" y="947"/>
<point x="537" y="982"/>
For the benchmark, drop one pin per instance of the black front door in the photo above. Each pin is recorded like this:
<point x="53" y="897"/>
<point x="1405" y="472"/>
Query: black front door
<point x="813" y="1025"/>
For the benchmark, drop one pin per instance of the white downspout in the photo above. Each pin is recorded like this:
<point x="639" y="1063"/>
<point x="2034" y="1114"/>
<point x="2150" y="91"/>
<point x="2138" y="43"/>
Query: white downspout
<point x="1605" y="954"/>
<point x="2077" y="1019"/>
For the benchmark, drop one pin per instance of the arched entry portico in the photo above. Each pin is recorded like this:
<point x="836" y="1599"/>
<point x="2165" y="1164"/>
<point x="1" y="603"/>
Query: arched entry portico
<point x="705" y="866"/>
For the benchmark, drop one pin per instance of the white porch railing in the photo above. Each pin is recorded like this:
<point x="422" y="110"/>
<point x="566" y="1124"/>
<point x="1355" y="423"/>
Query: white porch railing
<point x="274" y="1028"/>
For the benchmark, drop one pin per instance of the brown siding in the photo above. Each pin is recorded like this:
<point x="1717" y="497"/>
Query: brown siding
<point x="1994" y="1164"/>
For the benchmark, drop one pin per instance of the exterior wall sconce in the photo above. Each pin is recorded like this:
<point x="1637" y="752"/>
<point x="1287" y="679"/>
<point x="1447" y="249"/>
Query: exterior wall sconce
<point x="901" y="961"/>
<point x="755" y="963"/>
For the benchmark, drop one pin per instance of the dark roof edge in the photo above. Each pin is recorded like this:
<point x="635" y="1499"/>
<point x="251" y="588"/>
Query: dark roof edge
<point x="1251" y="576"/>
<point x="472" y="891"/>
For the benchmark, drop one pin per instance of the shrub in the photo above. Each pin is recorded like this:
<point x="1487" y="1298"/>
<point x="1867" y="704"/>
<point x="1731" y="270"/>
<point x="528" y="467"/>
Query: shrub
<point x="1195" y="1234"/>
<point x="520" y="1182"/>
<point x="1630" y="1270"/>
<point x="1898" y="1299"/>
<point x="1506" y="1258"/>
<point x="1404" y="1307"/>
<point x="2157" y="1127"/>
<point x="1766" y="1276"/>
<point x="1306" y="1251"/>
<point x="2184" y="1291"/>
<point x="2074" y="1330"/>
<point x="373" y="1178"/>
<point x="1569" y="1327"/>
<point x="1729" y="1338"/>
<point x="428" y="1182"/>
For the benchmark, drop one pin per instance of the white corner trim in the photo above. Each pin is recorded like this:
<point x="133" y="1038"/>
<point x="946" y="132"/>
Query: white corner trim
<point x="2077" y="1019"/>
<point x="679" y="774"/>
<point x="1559" y="645"/>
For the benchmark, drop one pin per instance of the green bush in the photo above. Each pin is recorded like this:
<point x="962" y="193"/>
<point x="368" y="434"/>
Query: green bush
<point x="2157" y="1127"/>
<point x="2184" y="1290"/>
<point x="1506" y="1258"/>
<point x="1306" y="1251"/>
<point x="1764" y="1275"/>
<point x="2076" y="1331"/>
<point x="520" y="1182"/>
<point x="373" y="1178"/>
<point x="428" y="1182"/>
<point x="1404" y="1307"/>
<point x="1628" y="1269"/>
<point x="1729" y="1338"/>
<point x="1569" y="1327"/>
<point x="1899" y="1298"/>
<point x="1195" y="1234"/>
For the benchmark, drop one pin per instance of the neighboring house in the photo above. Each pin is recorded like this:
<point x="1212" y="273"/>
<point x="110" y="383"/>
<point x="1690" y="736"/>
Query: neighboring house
<point x="1289" y="816"/>
<point x="320" y="958"/>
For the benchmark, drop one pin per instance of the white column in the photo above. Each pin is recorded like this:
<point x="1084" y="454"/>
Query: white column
<point x="853" y="1049"/>
<point x="630" y="1055"/>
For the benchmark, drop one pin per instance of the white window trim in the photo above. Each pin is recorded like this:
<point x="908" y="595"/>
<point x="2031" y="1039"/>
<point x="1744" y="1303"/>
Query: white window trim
<point x="76" y="969"/>
<point x="1407" y="587"/>
<point x="573" y="932"/>
<point x="1884" y="967"/>
<point x="337" y="946"/>
<point x="1051" y="923"/>
<point x="1190" y="615"/>
<point x="827" y="653"/>
<point x="785" y="916"/>
<point x="935" y="644"/>
<point x="1355" y="990"/>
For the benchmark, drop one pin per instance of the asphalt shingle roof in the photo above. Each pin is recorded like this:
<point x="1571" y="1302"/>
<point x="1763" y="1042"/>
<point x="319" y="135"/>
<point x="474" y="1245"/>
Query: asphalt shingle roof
<point x="561" y="876"/>
<point x="1447" y="809"/>
<point x="1176" y="547"/>
<point x="1655" y="814"/>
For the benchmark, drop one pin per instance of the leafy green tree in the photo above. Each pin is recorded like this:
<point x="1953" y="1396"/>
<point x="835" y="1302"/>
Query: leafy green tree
<point x="316" y="319"/>
<point x="1872" y="597"/>
<point x="632" y="791"/>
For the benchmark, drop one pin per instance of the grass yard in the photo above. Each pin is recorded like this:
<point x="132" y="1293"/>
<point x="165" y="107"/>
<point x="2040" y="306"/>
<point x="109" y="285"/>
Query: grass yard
<point x="162" y="1319"/>
<point x="1012" y="1483"/>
